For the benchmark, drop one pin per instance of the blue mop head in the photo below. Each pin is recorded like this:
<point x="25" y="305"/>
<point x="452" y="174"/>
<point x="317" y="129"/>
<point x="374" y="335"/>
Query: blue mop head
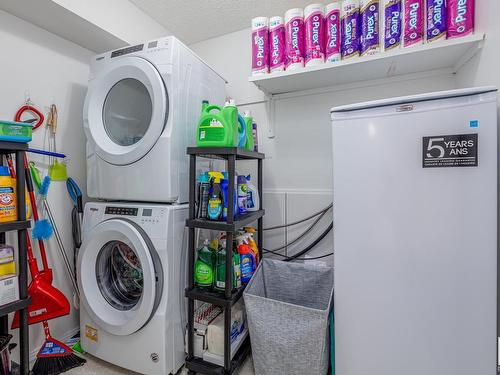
<point x="44" y="187"/>
<point x="42" y="230"/>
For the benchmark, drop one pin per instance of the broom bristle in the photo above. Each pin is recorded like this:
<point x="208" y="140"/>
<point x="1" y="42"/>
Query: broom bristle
<point x="55" y="358"/>
<point x="56" y="365"/>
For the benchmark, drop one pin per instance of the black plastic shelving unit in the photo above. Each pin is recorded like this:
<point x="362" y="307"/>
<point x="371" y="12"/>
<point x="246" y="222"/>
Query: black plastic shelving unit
<point x="230" y="296"/>
<point x="21" y="226"/>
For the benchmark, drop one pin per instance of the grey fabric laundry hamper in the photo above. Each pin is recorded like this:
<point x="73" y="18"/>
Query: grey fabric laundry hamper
<point x="288" y="306"/>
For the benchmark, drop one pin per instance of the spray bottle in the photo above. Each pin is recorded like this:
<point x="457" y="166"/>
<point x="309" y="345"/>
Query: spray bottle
<point x="215" y="199"/>
<point x="204" y="193"/>
<point x="253" y="245"/>
<point x="247" y="259"/>
<point x="225" y="186"/>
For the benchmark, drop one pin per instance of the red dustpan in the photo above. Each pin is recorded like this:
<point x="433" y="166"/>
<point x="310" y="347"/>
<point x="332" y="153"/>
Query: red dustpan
<point x="47" y="302"/>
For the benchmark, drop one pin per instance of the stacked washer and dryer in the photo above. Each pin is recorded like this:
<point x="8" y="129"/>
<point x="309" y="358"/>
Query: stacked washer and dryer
<point x="140" y="114"/>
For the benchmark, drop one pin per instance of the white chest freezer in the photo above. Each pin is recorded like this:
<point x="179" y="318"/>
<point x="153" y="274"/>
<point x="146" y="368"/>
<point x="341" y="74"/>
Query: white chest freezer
<point x="415" y="229"/>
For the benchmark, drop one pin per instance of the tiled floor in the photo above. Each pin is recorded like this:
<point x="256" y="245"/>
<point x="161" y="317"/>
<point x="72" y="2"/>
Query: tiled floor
<point x="95" y="366"/>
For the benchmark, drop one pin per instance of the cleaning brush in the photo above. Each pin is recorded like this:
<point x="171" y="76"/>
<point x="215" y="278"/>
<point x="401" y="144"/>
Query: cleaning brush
<point x="44" y="187"/>
<point x="43" y="229"/>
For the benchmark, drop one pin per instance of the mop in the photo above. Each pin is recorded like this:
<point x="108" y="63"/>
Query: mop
<point x="54" y="357"/>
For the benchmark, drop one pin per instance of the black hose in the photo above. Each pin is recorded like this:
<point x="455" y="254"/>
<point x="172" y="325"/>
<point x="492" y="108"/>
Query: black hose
<point x="307" y="249"/>
<point x="301" y="220"/>
<point x="312" y="245"/>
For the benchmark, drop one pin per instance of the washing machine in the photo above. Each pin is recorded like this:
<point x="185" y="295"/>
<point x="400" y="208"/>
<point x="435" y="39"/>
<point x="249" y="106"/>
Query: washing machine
<point x="131" y="274"/>
<point x="140" y="113"/>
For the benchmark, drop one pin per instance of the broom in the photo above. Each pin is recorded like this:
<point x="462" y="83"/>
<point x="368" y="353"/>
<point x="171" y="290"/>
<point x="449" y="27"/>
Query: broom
<point x="54" y="357"/>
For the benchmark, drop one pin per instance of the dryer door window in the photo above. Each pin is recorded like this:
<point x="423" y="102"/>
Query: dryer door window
<point x="120" y="276"/>
<point x="126" y="110"/>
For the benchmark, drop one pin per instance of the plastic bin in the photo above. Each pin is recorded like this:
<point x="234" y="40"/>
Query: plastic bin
<point x="288" y="307"/>
<point x="15" y="131"/>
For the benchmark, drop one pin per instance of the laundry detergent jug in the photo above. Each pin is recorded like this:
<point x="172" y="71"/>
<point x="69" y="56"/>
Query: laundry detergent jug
<point x="218" y="127"/>
<point x="249" y="141"/>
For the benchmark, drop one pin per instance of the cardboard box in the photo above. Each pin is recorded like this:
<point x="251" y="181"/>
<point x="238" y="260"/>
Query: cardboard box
<point x="9" y="290"/>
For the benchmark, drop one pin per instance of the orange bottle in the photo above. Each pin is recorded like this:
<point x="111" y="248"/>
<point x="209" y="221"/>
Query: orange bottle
<point x="8" y="201"/>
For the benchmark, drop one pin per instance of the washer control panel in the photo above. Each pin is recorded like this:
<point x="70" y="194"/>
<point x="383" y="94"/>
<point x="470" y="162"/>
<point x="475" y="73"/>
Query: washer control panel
<point x="126" y="211"/>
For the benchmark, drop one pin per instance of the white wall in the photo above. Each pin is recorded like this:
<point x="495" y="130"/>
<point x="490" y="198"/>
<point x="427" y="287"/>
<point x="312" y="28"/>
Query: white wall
<point x="51" y="69"/>
<point x="482" y="70"/>
<point x="298" y="166"/>
<point x="119" y="17"/>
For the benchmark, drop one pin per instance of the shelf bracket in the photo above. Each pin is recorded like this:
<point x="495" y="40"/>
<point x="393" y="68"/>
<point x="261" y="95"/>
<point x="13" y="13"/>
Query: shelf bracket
<point x="471" y="52"/>
<point x="271" y="115"/>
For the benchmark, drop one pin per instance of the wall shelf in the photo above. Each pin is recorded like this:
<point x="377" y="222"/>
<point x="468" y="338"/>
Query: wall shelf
<point x="448" y="54"/>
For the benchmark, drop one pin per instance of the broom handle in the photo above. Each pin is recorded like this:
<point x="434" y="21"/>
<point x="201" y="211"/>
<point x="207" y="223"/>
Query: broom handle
<point x="33" y="265"/>
<point x="46" y="330"/>
<point x="62" y="250"/>
<point x="29" y="184"/>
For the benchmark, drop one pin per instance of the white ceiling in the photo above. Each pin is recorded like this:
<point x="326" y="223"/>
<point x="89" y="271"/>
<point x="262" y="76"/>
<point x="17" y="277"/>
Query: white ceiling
<point x="196" y="20"/>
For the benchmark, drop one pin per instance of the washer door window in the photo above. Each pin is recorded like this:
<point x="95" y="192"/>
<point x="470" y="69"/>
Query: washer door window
<point x="126" y="110"/>
<point x="121" y="277"/>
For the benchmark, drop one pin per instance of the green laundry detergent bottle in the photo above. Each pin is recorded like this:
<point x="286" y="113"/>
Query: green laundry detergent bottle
<point x="220" y="270"/>
<point x="249" y="145"/>
<point x="204" y="274"/>
<point x="218" y="127"/>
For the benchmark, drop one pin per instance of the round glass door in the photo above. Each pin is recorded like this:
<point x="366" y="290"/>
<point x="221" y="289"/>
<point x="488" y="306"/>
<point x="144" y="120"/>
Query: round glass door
<point x="120" y="276"/>
<point x="127" y="112"/>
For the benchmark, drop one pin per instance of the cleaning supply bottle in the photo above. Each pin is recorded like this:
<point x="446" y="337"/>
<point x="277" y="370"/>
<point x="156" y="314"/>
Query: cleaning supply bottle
<point x="215" y="199"/>
<point x="247" y="259"/>
<point x="8" y="201"/>
<point x="255" y="137"/>
<point x="253" y="245"/>
<point x="204" y="274"/>
<point x="242" y="195"/>
<point x="204" y="193"/>
<point x="225" y="192"/>
<point x="237" y="267"/>
<point x="220" y="270"/>
<point x="249" y="130"/>
<point x="224" y="186"/>
<point x="253" y="198"/>
<point x="216" y="127"/>
<point x="242" y="132"/>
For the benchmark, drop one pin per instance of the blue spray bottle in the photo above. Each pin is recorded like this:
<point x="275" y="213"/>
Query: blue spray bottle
<point x="225" y="193"/>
